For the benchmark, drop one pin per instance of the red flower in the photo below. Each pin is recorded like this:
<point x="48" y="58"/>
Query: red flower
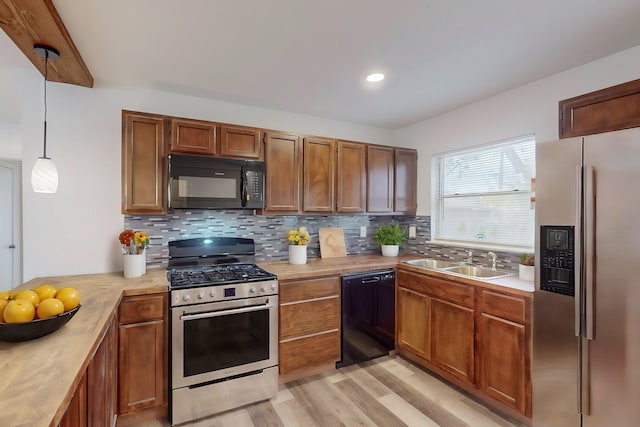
<point x="126" y="237"/>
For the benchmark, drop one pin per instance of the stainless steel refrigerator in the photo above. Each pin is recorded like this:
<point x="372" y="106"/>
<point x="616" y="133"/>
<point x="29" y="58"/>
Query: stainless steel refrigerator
<point x="586" y="345"/>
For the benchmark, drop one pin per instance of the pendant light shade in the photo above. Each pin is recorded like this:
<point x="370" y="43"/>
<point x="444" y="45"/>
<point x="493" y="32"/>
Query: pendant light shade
<point x="44" y="175"/>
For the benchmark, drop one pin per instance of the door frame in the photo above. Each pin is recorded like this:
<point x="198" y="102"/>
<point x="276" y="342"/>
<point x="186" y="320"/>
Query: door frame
<point x="16" y="167"/>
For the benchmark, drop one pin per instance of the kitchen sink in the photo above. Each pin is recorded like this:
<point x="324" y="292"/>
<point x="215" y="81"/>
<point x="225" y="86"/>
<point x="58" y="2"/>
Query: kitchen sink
<point x="482" y="272"/>
<point x="456" y="268"/>
<point x="432" y="263"/>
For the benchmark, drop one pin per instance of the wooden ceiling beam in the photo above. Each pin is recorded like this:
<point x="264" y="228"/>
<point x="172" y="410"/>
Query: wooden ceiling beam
<point x="30" y="22"/>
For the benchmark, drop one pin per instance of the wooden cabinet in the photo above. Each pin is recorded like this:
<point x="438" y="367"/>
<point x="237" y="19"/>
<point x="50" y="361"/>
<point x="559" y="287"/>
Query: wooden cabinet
<point x="94" y="401"/>
<point x="351" y="177"/>
<point x="283" y="163"/>
<point x="405" y="181"/>
<point x="142" y="353"/>
<point x="319" y="174"/>
<point x="144" y="164"/>
<point x="505" y="348"/>
<point x="240" y="141"/>
<point x="436" y="322"/>
<point x="380" y="178"/>
<point x="193" y="137"/>
<point x="309" y="334"/>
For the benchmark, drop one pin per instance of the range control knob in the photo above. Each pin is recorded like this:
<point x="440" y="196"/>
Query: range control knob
<point x="263" y="289"/>
<point x="185" y="297"/>
<point x="201" y="295"/>
<point x="273" y="287"/>
<point x="252" y="290"/>
<point x="212" y="294"/>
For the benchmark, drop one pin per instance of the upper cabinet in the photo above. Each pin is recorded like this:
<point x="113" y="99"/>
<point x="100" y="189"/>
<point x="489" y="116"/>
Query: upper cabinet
<point x="406" y="181"/>
<point x="351" y="178"/>
<point x="283" y="164"/>
<point x="144" y="182"/>
<point x="319" y="175"/>
<point x="193" y="137"/>
<point x="239" y="141"/>
<point x="380" y="172"/>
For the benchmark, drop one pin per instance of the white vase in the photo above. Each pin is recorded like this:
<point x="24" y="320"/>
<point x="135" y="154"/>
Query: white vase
<point x="390" y="250"/>
<point x="526" y="272"/>
<point x="297" y="254"/>
<point x="135" y="265"/>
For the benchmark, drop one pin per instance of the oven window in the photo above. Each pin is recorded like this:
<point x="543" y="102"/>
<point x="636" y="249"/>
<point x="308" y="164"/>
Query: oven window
<point x="207" y="187"/>
<point x="224" y="341"/>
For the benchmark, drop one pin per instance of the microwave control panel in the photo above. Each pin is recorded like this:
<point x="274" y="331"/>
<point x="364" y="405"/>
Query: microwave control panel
<point x="255" y="186"/>
<point x="557" y="263"/>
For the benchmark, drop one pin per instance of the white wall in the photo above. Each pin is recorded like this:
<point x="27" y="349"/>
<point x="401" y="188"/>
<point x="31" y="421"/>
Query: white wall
<point x="532" y="108"/>
<point x="75" y="230"/>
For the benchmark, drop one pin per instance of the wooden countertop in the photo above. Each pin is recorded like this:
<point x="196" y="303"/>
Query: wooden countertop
<point x="38" y="377"/>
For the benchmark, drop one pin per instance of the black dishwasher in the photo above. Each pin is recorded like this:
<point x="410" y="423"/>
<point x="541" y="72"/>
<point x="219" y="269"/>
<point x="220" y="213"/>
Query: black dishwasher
<point x="368" y="316"/>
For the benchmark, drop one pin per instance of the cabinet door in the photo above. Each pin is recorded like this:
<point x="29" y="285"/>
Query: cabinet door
<point x="144" y="186"/>
<point x="319" y="174"/>
<point x="413" y="322"/>
<point x="141" y="367"/>
<point x="76" y="413"/>
<point x="193" y="137"/>
<point x="241" y="142"/>
<point x="351" y="188"/>
<point x="100" y="382"/>
<point x="406" y="181"/>
<point x="452" y="335"/>
<point x="503" y="354"/>
<point x="380" y="167"/>
<point x="283" y="158"/>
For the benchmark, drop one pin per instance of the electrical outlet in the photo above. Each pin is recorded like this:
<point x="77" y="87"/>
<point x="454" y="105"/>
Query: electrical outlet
<point x="363" y="231"/>
<point x="412" y="231"/>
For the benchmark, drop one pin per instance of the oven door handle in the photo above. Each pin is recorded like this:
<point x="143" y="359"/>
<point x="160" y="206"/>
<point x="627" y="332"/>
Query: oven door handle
<point x="218" y="313"/>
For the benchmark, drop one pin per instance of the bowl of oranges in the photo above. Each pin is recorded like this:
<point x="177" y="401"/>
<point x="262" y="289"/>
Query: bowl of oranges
<point x="34" y="313"/>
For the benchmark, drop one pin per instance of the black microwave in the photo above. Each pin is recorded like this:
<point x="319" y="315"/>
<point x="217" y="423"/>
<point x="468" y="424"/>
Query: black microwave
<point x="200" y="182"/>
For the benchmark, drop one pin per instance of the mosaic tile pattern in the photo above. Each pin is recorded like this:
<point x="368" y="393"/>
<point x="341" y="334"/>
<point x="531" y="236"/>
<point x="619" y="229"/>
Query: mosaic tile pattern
<point x="270" y="234"/>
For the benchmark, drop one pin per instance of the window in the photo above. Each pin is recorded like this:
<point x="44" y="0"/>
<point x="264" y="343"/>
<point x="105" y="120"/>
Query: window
<point x="483" y="194"/>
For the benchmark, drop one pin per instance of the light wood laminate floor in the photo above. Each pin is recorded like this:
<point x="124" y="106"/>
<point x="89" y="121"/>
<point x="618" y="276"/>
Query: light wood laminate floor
<point x="388" y="391"/>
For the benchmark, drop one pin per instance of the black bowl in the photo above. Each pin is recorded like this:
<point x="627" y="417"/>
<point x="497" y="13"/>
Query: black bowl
<point x="14" y="332"/>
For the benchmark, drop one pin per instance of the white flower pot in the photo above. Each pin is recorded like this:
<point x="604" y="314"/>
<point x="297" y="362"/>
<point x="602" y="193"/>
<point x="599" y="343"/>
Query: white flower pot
<point x="297" y="254"/>
<point x="390" y="250"/>
<point x="526" y="272"/>
<point x="135" y="265"/>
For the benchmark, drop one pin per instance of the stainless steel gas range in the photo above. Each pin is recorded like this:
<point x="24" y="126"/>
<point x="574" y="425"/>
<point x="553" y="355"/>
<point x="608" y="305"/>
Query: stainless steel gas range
<point x="224" y="327"/>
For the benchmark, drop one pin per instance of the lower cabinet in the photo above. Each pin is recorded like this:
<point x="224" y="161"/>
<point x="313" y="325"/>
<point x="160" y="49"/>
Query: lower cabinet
<point x="309" y="337"/>
<point x="142" y="353"/>
<point x="94" y="401"/>
<point x="478" y="337"/>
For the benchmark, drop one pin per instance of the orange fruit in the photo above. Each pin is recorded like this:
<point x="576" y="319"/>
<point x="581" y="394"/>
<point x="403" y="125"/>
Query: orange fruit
<point x="18" y="311"/>
<point x="46" y="291"/>
<point x="49" y="308"/>
<point x="5" y="295"/>
<point x="3" y="304"/>
<point x="28" y="295"/>
<point x="70" y="297"/>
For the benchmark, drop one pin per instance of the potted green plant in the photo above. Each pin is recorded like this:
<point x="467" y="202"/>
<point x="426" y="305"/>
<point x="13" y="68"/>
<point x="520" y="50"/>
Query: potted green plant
<point x="526" y="267"/>
<point x="389" y="238"/>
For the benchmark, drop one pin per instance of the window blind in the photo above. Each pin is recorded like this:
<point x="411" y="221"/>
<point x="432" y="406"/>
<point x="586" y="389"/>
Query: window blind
<point x="483" y="194"/>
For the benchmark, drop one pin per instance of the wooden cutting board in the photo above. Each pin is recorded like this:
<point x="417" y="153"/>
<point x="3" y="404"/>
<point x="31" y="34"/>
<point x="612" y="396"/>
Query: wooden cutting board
<point x="332" y="242"/>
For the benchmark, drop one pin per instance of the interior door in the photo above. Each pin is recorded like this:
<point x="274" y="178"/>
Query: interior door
<point x="7" y="244"/>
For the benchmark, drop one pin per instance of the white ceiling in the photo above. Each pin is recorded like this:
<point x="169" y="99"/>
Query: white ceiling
<point x="311" y="57"/>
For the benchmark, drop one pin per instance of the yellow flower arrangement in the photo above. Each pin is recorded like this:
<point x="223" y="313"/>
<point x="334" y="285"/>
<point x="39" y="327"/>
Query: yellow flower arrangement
<point x="299" y="236"/>
<point x="133" y="242"/>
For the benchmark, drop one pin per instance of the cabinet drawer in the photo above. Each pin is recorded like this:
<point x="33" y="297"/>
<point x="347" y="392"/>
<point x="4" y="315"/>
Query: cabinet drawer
<point x="141" y="309"/>
<point x="510" y="307"/>
<point x="309" y="289"/>
<point x="309" y="352"/>
<point x="297" y="319"/>
<point x="449" y="291"/>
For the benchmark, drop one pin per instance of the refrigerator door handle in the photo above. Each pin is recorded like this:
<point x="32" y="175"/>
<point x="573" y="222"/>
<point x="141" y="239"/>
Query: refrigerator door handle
<point x="589" y="251"/>
<point x="578" y="254"/>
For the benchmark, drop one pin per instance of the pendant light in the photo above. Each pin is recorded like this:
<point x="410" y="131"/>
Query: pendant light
<point x="44" y="175"/>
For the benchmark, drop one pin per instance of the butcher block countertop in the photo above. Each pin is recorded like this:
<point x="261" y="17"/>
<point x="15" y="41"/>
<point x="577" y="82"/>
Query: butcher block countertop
<point x="38" y="377"/>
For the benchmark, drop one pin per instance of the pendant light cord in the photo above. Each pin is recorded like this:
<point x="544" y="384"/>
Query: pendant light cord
<point x="46" y="73"/>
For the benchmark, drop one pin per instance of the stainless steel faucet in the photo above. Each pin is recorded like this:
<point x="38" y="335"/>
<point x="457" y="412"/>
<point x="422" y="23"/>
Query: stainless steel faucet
<point x="493" y="260"/>
<point x="469" y="257"/>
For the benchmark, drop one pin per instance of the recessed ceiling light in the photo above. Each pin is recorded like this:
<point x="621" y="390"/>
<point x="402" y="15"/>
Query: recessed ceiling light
<point x="375" y="77"/>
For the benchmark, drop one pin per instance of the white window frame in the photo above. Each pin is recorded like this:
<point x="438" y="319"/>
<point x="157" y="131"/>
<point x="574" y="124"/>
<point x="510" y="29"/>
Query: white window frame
<point x="438" y="200"/>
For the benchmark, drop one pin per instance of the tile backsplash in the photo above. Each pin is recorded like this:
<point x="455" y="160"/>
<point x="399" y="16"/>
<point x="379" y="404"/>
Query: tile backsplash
<point x="270" y="234"/>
